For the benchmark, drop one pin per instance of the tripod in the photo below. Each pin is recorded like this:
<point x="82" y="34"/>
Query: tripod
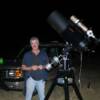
<point x="67" y="74"/>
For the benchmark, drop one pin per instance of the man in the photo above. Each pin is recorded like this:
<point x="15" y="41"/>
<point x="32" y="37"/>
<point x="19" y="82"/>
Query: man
<point x="34" y="64"/>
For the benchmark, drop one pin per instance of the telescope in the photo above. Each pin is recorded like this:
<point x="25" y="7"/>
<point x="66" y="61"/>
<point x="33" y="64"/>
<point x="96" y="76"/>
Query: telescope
<point x="75" y="35"/>
<point x="71" y="30"/>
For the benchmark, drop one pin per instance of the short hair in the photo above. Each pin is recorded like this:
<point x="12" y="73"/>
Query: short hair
<point x="34" y="38"/>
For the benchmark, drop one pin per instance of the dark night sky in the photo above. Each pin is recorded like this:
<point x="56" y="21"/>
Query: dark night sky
<point x="21" y="20"/>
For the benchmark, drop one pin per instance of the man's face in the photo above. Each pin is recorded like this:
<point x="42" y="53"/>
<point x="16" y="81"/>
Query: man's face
<point x="35" y="44"/>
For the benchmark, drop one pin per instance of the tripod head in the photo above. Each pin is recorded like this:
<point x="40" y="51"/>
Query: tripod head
<point x="67" y="48"/>
<point x="63" y="61"/>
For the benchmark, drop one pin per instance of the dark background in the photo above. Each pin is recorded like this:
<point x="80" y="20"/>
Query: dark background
<point x="21" y="20"/>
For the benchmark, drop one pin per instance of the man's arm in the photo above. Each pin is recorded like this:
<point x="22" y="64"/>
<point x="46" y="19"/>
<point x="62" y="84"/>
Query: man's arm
<point x="31" y="68"/>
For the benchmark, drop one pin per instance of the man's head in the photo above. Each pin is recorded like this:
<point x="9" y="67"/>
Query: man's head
<point x="34" y="42"/>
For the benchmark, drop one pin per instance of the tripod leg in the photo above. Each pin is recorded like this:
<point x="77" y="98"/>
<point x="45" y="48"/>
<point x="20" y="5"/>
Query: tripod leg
<point x="50" y="90"/>
<point x="66" y="89"/>
<point x="77" y="91"/>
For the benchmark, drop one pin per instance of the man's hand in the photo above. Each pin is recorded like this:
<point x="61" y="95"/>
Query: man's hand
<point x="34" y="67"/>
